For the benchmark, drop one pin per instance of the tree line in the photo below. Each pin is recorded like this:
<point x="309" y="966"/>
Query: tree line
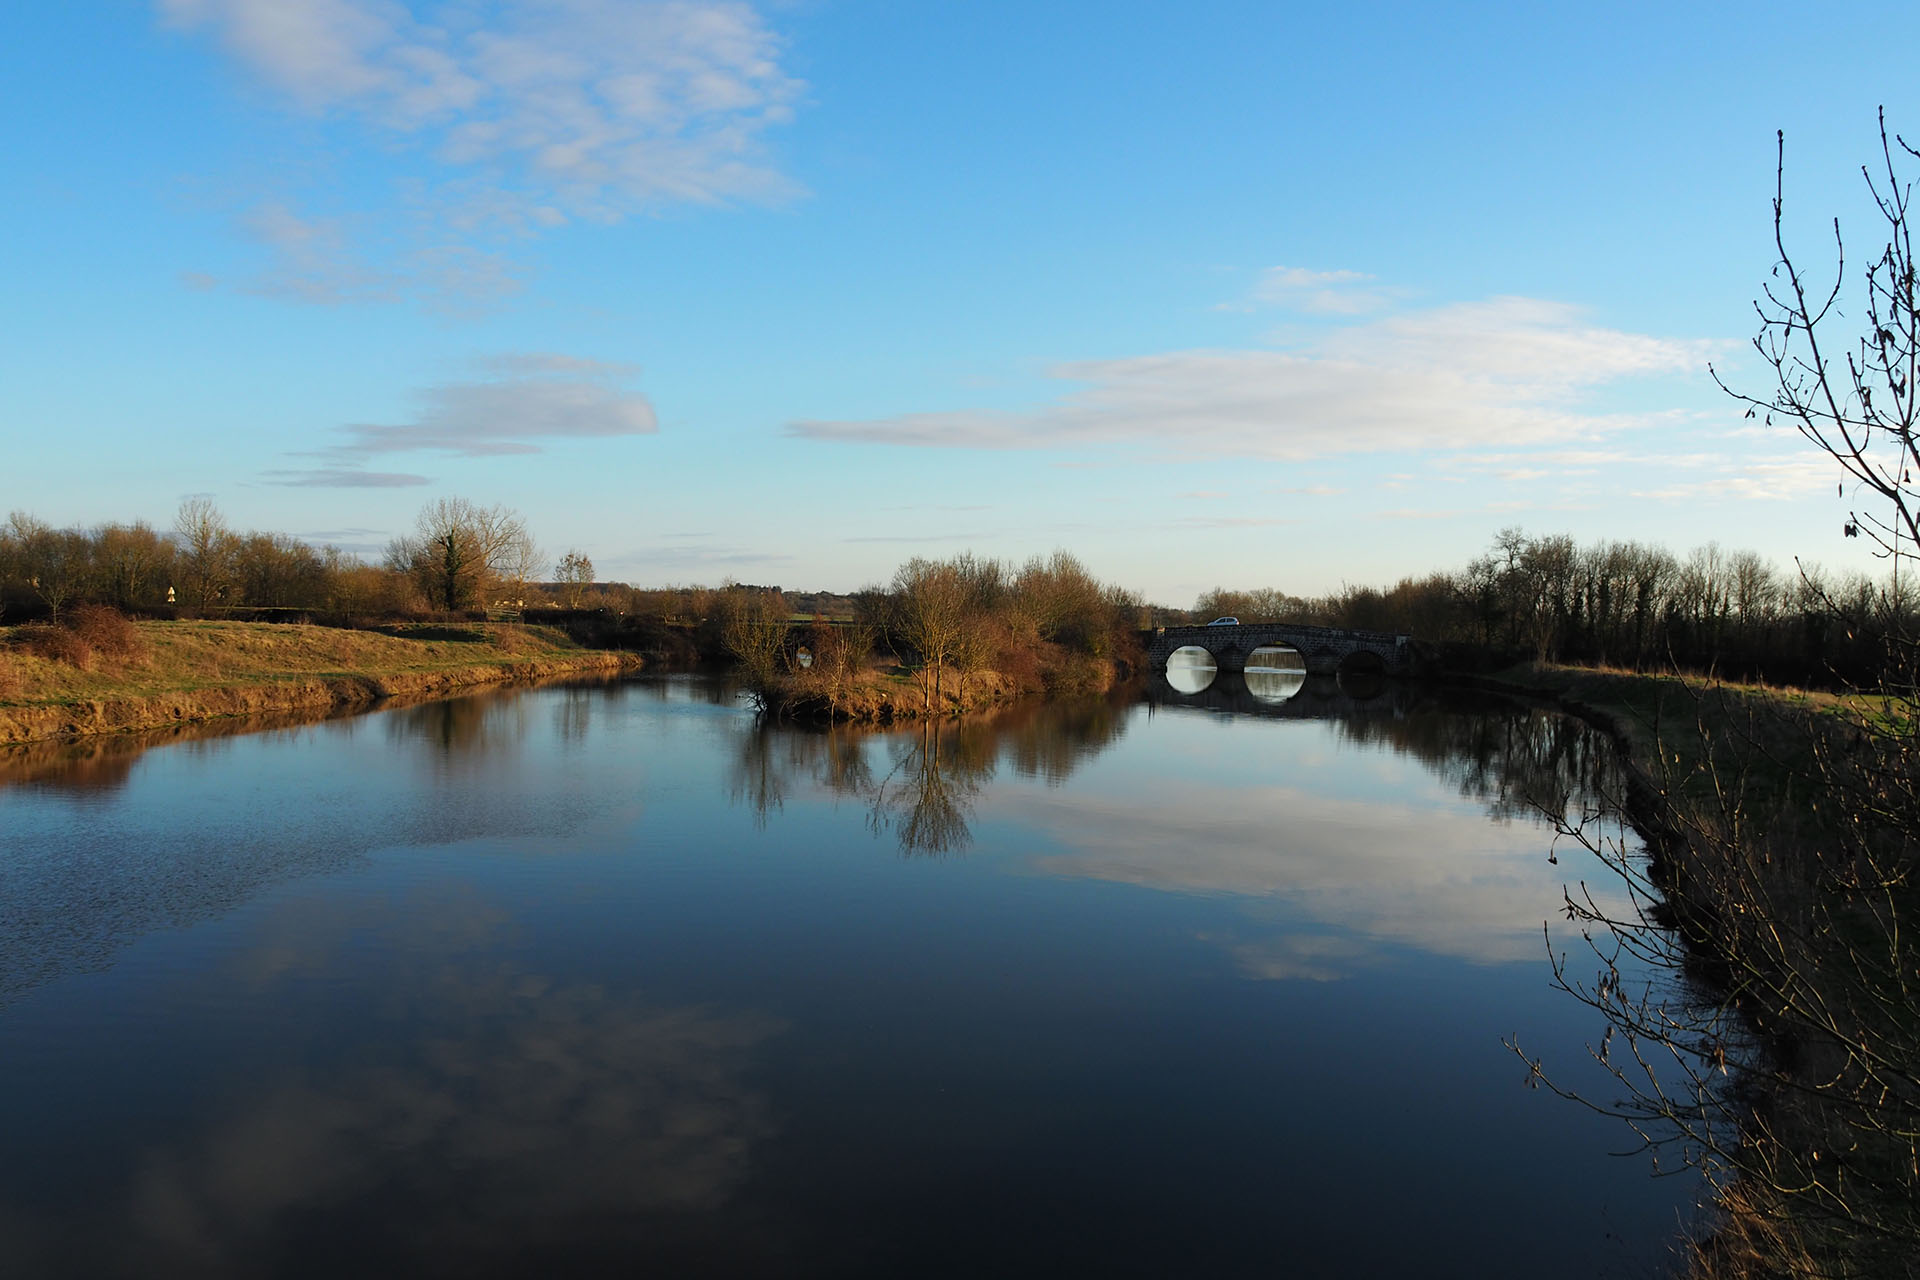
<point x="1627" y="604"/>
<point x="459" y="556"/>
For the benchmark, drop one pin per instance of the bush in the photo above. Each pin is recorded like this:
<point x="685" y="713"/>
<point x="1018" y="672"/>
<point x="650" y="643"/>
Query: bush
<point x="1077" y="675"/>
<point x="55" y="644"/>
<point x="105" y="630"/>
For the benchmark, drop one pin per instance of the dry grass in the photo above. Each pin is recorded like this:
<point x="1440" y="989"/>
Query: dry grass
<point x="167" y="657"/>
<point x="1688" y="728"/>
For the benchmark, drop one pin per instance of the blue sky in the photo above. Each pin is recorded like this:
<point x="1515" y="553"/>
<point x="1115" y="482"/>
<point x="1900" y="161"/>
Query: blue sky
<point x="1241" y="294"/>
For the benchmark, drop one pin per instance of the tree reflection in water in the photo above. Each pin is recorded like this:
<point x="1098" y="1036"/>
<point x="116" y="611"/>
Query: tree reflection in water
<point x="920" y="785"/>
<point x="758" y="778"/>
<point x="934" y="771"/>
<point x="935" y="780"/>
<point x="464" y="731"/>
<point x="1521" y="762"/>
<point x="72" y="898"/>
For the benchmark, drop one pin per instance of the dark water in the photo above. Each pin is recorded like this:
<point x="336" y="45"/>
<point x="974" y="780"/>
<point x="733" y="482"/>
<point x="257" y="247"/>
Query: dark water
<point x="610" y="980"/>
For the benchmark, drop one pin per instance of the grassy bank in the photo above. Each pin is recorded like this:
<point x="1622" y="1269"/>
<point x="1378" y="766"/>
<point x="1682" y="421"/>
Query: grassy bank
<point x="1683" y="731"/>
<point x="1784" y="829"/>
<point x="889" y="693"/>
<point x="153" y="674"/>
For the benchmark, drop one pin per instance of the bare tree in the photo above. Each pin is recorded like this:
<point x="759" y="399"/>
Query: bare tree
<point x="1856" y="399"/>
<point x="753" y="625"/>
<point x="129" y="559"/>
<point x="574" y="571"/>
<point x="59" y="564"/>
<point x="206" y="551"/>
<point x="1785" y="870"/>
<point x="461" y="552"/>
<point x="928" y="614"/>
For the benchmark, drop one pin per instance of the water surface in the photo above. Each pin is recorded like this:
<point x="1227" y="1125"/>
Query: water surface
<point x="613" y="978"/>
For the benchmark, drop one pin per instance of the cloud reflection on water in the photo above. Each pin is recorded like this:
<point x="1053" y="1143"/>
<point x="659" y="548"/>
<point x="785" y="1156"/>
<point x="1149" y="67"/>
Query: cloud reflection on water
<point x="1446" y="882"/>
<point x="554" y="1105"/>
<point x="488" y="1110"/>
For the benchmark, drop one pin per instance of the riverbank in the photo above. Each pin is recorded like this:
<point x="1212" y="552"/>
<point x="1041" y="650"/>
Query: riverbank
<point x="167" y="673"/>
<point x="1783" y="828"/>
<point x="1678" y="732"/>
<point x="895" y="694"/>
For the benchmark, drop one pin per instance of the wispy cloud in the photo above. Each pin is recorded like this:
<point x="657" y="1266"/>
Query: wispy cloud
<point x="309" y="261"/>
<point x="353" y="541"/>
<point x="1504" y="373"/>
<point x="526" y="363"/>
<point x="1413" y="513"/>
<point x="889" y="538"/>
<point x="538" y="398"/>
<point x="1232" y="522"/>
<point x="563" y="109"/>
<point x="343" y="478"/>
<point x="1747" y="480"/>
<point x="505" y="121"/>
<point x="1336" y="293"/>
<point x="321" y="260"/>
<point x="695" y="553"/>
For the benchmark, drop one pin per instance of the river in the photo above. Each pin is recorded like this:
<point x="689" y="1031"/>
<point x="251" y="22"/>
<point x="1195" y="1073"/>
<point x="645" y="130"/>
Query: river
<point x="610" y="978"/>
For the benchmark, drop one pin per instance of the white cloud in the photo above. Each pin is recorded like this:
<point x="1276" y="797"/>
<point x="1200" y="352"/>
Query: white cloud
<point x="343" y="478"/>
<point x="1339" y="293"/>
<point x="1232" y="522"/>
<point x="541" y="396"/>
<point x="1747" y="480"/>
<point x="309" y="260"/>
<point x="545" y="362"/>
<point x="564" y="108"/>
<point x="1504" y="373"/>
<point x="480" y="419"/>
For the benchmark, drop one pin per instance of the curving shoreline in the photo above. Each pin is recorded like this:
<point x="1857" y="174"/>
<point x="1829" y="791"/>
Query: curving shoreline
<point x="381" y="668"/>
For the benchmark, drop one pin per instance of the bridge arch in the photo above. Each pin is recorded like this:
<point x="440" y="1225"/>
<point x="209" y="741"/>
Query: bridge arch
<point x="1324" y="650"/>
<point x="1273" y="684"/>
<point x="1362" y="661"/>
<point x="1275" y="655"/>
<point x="1191" y="668"/>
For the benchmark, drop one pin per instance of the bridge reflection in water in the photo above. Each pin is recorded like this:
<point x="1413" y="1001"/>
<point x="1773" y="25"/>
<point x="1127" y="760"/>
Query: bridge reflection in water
<point x="1272" y="673"/>
<point x="1290" y="694"/>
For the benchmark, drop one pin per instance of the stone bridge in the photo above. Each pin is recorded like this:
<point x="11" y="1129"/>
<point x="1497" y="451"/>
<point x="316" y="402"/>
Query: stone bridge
<point x="1327" y="650"/>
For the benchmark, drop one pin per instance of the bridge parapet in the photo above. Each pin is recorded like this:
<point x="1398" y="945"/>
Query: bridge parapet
<point x="1326" y="650"/>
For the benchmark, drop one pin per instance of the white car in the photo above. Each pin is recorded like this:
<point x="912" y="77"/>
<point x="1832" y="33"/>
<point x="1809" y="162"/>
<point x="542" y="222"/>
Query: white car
<point x="1224" y="622"/>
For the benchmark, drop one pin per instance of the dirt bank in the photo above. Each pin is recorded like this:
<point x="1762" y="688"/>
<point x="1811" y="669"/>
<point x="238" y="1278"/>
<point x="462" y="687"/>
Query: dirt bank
<point x="186" y="672"/>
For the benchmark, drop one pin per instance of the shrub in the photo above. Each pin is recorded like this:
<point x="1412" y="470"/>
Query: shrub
<point x="55" y="644"/>
<point x="1076" y="675"/>
<point x="105" y="630"/>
